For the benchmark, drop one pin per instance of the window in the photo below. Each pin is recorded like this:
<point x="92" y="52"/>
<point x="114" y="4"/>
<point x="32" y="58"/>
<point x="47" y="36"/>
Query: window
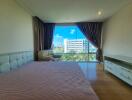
<point x="72" y="45"/>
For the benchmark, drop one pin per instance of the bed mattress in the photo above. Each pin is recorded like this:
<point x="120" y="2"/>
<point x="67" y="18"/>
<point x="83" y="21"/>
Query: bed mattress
<point x="46" y="81"/>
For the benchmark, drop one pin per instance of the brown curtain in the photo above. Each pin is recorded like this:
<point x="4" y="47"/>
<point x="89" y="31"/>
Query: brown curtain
<point x="92" y="31"/>
<point x="43" y="35"/>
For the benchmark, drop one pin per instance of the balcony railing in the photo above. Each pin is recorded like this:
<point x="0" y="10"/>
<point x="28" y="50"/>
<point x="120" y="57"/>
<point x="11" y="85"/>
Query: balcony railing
<point x="76" y="56"/>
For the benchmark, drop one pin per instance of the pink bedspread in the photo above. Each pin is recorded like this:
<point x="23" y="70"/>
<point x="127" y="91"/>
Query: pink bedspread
<point x="46" y="81"/>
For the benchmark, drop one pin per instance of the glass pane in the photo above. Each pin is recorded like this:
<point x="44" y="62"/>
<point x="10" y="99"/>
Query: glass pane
<point x="74" y="57"/>
<point x="92" y="57"/>
<point x="92" y="49"/>
<point x="70" y="44"/>
<point x="69" y="39"/>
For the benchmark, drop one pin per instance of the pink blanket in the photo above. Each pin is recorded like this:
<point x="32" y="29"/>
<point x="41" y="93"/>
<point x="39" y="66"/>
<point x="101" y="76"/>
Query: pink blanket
<point x="46" y="81"/>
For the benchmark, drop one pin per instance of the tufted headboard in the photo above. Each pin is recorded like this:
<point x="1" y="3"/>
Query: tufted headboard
<point x="12" y="61"/>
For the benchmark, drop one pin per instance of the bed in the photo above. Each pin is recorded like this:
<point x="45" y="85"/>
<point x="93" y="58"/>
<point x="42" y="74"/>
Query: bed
<point x="46" y="81"/>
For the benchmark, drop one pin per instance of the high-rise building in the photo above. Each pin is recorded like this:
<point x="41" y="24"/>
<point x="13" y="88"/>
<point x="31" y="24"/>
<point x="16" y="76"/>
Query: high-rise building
<point x="75" y="46"/>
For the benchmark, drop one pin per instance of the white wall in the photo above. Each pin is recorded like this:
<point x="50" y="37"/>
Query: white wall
<point x="16" y="33"/>
<point x="117" y="33"/>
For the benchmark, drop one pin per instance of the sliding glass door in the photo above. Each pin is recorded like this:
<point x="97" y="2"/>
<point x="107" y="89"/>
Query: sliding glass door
<point x="70" y="44"/>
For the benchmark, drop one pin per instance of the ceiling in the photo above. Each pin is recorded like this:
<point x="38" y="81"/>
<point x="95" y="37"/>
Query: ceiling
<point x="67" y="11"/>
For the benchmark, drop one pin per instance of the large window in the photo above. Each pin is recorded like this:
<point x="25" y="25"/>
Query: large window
<point x="70" y="43"/>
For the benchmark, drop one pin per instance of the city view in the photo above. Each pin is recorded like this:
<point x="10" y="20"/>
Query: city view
<point x="70" y="43"/>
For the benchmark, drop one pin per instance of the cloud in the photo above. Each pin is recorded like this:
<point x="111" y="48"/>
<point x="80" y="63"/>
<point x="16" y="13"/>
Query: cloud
<point x="58" y="36"/>
<point x="72" y="31"/>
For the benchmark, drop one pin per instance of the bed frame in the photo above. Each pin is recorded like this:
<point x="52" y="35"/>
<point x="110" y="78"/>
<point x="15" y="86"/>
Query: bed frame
<point x="13" y="61"/>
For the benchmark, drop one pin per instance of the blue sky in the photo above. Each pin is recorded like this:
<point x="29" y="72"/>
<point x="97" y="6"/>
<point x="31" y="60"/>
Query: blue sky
<point x="66" y="32"/>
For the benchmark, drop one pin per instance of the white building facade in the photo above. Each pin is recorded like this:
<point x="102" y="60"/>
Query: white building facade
<point x="75" y="46"/>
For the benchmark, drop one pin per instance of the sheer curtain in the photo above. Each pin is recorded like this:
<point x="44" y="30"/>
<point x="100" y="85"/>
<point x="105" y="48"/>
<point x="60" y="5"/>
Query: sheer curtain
<point x="43" y="35"/>
<point x="92" y="31"/>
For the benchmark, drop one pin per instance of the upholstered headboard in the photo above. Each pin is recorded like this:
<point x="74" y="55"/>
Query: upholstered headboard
<point x="12" y="61"/>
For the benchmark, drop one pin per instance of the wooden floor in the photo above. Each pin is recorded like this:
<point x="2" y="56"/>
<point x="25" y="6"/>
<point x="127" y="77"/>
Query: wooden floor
<point x="106" y="86"/>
